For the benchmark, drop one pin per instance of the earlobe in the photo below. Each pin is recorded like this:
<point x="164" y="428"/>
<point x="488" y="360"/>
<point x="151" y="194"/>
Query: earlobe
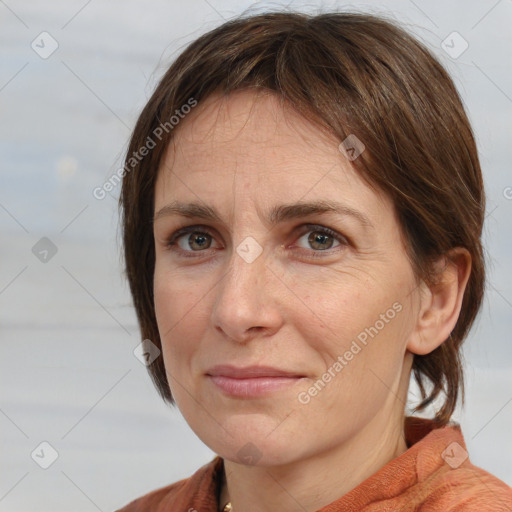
<point x="441" y="302"/>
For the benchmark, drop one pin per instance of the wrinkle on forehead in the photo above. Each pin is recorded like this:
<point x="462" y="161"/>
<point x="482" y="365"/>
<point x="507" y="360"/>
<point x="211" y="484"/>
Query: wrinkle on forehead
<point x="253" y="130"/>
<point x="260" y="151"/>
<point x="247" y="116"/>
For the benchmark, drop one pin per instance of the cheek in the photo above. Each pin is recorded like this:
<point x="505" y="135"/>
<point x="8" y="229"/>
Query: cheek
<point x="359" y="324"/>
<point x="176" y="297"/>
<point x="357" y="378"/>
<point x="179" y="310"/>
<point x="335" y="308"/>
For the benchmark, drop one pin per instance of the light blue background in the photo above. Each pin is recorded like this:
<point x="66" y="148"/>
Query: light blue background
<point x="68" y="374"/>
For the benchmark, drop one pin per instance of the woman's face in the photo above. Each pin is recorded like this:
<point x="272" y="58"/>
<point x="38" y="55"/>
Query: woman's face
<point x="327" y="299"/>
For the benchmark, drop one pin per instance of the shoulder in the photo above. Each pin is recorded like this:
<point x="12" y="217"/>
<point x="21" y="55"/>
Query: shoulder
<point x="468" y="488"/>
<point x="199" y="490"/>
<point x="447" y="480"/>
<point x="155" y="500"/>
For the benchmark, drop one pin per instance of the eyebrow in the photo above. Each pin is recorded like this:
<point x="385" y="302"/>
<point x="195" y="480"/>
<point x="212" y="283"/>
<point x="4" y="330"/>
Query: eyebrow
<point x="275" y="216"/>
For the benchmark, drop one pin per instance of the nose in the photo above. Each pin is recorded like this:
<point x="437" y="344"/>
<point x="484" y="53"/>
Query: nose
<point x="246" y="304"/>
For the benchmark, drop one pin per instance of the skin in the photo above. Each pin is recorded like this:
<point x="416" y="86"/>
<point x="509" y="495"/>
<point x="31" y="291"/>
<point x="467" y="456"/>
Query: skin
<point x="243" y="155"/>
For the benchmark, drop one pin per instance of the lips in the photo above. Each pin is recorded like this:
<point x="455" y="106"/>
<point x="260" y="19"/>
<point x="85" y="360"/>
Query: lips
<point x="251" y="381"/>
<point x="249" y="372"/>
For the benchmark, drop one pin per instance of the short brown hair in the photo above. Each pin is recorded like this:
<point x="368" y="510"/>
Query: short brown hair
<point x="349" y="74"/>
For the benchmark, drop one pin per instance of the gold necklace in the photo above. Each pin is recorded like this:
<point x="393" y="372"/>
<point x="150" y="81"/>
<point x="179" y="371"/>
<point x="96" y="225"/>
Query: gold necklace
<point x="227" y="507"/>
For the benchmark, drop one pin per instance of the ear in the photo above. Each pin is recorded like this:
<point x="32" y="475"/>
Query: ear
<point x="440" y="303"/>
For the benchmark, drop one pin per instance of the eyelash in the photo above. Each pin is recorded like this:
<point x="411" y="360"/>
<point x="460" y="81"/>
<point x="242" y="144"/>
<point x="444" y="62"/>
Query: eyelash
<point x="307" y="228"/>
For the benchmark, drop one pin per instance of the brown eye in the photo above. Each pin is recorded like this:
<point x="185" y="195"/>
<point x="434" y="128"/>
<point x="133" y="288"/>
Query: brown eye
<point x="196" y="241"/>
<point x="190" y="240"/>
<point x="320" y="239"/>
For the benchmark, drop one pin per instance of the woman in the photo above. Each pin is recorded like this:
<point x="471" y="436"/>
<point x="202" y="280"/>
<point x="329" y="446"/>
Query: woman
<point x="302" y="209"/>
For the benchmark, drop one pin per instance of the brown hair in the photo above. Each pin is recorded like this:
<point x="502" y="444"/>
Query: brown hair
<point x="349" y="74"/>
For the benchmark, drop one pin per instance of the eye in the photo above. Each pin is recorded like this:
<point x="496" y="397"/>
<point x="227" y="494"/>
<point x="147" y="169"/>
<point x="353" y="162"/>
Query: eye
<point x="320" y="238"/>
<point x="191" y="239"/>
<point x="197" y="239"/>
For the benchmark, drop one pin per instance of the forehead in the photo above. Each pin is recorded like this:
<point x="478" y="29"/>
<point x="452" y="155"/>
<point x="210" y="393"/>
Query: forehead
<point x="257" y="146"/>
<point x="249" y="125"/>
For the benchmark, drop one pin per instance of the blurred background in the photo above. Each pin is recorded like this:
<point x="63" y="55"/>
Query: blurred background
<point x="74" y="75"/>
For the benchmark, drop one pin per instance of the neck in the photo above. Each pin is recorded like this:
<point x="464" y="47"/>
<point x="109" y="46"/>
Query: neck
<point x="313" y="483"/>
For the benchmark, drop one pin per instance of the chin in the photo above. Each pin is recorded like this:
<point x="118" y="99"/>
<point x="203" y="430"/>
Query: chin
<point x="250" y="439"/>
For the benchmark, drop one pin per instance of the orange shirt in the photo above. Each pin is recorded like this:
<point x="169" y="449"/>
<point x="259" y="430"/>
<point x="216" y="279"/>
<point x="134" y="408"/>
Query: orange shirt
<point x="433" y="475"/>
